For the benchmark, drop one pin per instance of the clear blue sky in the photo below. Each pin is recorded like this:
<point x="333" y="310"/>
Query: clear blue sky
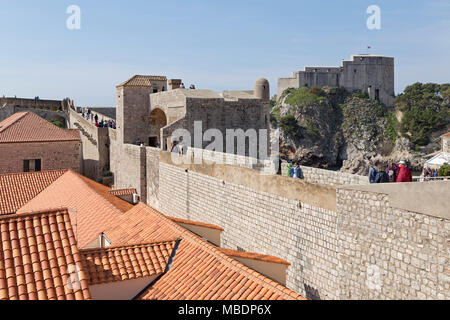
<point x="216" y="45"/>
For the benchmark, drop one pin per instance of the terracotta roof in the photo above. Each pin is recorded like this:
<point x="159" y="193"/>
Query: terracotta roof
<point x="253" y="256"/>
<point x="196" y="223"/>
<point x="199" y="271"/>
<point x="29" y="127"/>
<point x="92" y="207"/>
<point x="123" y="192"/>
<point x="17" y="189"/>
<point x="446" y="135"/>
<point x="120" y="263"/>
<point x="141" y="81"/>
<point x="38" y="253"/>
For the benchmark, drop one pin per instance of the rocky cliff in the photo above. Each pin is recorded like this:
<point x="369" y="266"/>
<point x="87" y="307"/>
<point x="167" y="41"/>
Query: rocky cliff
<point x="331" y="128"/>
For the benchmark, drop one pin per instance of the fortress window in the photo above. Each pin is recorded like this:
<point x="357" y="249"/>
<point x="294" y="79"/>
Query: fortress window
<point x="354" y="71"/>
<point x="377" y="94"/>
<point x="155" y="90"/>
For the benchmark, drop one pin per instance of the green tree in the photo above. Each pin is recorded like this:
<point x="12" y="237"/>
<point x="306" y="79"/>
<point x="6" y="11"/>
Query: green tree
<point x="426" y="108"/>
<point x="57" y="123"/>
<point x="444" y="171"/>
<point x="289" y="125"/>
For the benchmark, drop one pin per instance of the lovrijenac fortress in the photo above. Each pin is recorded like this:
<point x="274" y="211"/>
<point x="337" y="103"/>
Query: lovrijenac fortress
<point x="344" y="238"/>
<point x="373" y="74"/>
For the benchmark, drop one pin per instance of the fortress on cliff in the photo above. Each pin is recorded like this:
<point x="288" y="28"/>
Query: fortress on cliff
<point x="369" y="73"/>
<point x="343" y="238"/>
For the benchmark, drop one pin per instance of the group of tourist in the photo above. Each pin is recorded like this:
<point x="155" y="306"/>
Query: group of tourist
<point x="392" y="173"/>
<point x="192" y="87"/>
<point x="429" y="173"/>
<point x="94" y="118"/>
<point x="294" y="170"/>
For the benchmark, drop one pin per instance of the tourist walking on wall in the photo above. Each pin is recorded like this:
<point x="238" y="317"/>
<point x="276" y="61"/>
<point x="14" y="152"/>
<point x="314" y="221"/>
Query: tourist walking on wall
<point x="381" y="176"/>
<point x="391" y="173"/>
<point x="296" y="171"/>
<point x="288" y="172"/>
<point x="404" y="174"/>
<point x="372" y="173"/>
<point x="396" y="169"/>
<point x="175" y="148"/>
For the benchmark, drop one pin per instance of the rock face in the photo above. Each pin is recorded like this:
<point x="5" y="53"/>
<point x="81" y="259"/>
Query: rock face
<point x="310" y="129"/>
<point x="331" y="128"/>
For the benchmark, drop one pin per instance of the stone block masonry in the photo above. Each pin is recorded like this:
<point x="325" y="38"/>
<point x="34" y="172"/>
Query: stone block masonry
<point x="128" y="167"/>
<point x="365" y="245"/>
<point x="95" y="146"/>
<point x="390" y="253"/>
<point x="302" y="234"/>
<point x="54" y="105"/>
<point x="54" y="155"/>
<point x="329" y="177"/>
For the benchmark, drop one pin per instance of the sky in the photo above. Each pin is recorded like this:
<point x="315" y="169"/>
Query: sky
<point x="216" y="45"/>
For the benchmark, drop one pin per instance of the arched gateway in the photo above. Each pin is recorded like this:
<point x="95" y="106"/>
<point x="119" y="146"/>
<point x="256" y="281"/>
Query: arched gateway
<point x="158" y="120"/>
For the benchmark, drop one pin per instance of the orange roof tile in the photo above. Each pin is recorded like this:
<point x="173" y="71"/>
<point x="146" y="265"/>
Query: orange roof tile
<point x="195" y="223"/>
<point x="39" y="258"/>
<point x="17" y="189"/>
<point x="142" y="81"/>
<point x="253" y="256"/>
<point x="446" y="135"/>
<point x="200" y="271"/>
<point x="92" y="207"/>
<point x="123" y="192"/>
<point x="29" y="127"/>
<point x="129" y="262"/>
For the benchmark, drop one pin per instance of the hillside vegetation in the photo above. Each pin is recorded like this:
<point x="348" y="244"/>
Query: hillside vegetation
<point x="329" y="127"/>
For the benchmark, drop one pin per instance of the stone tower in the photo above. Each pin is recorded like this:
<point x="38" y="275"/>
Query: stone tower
<point x="262" y="89"/>
<point x="369" y="73"/>
<point x="133" y="106"/>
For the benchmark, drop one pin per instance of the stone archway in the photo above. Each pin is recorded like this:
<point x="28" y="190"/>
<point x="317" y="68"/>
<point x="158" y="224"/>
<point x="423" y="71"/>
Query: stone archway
<point x="158" y="120"/>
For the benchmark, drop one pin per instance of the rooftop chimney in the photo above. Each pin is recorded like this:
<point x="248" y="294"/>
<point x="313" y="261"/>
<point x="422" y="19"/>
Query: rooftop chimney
<point x="174" y="83"/>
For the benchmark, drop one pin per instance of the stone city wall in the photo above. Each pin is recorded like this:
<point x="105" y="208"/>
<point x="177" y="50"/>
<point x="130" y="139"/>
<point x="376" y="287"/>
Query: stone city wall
<point x="7" y="111"/>
<point x="95" y="145"/>
<point x="389" y="252"/>
<point x="323" y="176"/>
<point x="210" y="157"/>
<point x="128" y="167"/>
<point x="349" y="243"/>
<point x="261" y="222"/>
<point x="53" y="105"/>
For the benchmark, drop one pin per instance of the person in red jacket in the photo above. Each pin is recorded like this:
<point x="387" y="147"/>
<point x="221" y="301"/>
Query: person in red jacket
<point x="404" y="174"/>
